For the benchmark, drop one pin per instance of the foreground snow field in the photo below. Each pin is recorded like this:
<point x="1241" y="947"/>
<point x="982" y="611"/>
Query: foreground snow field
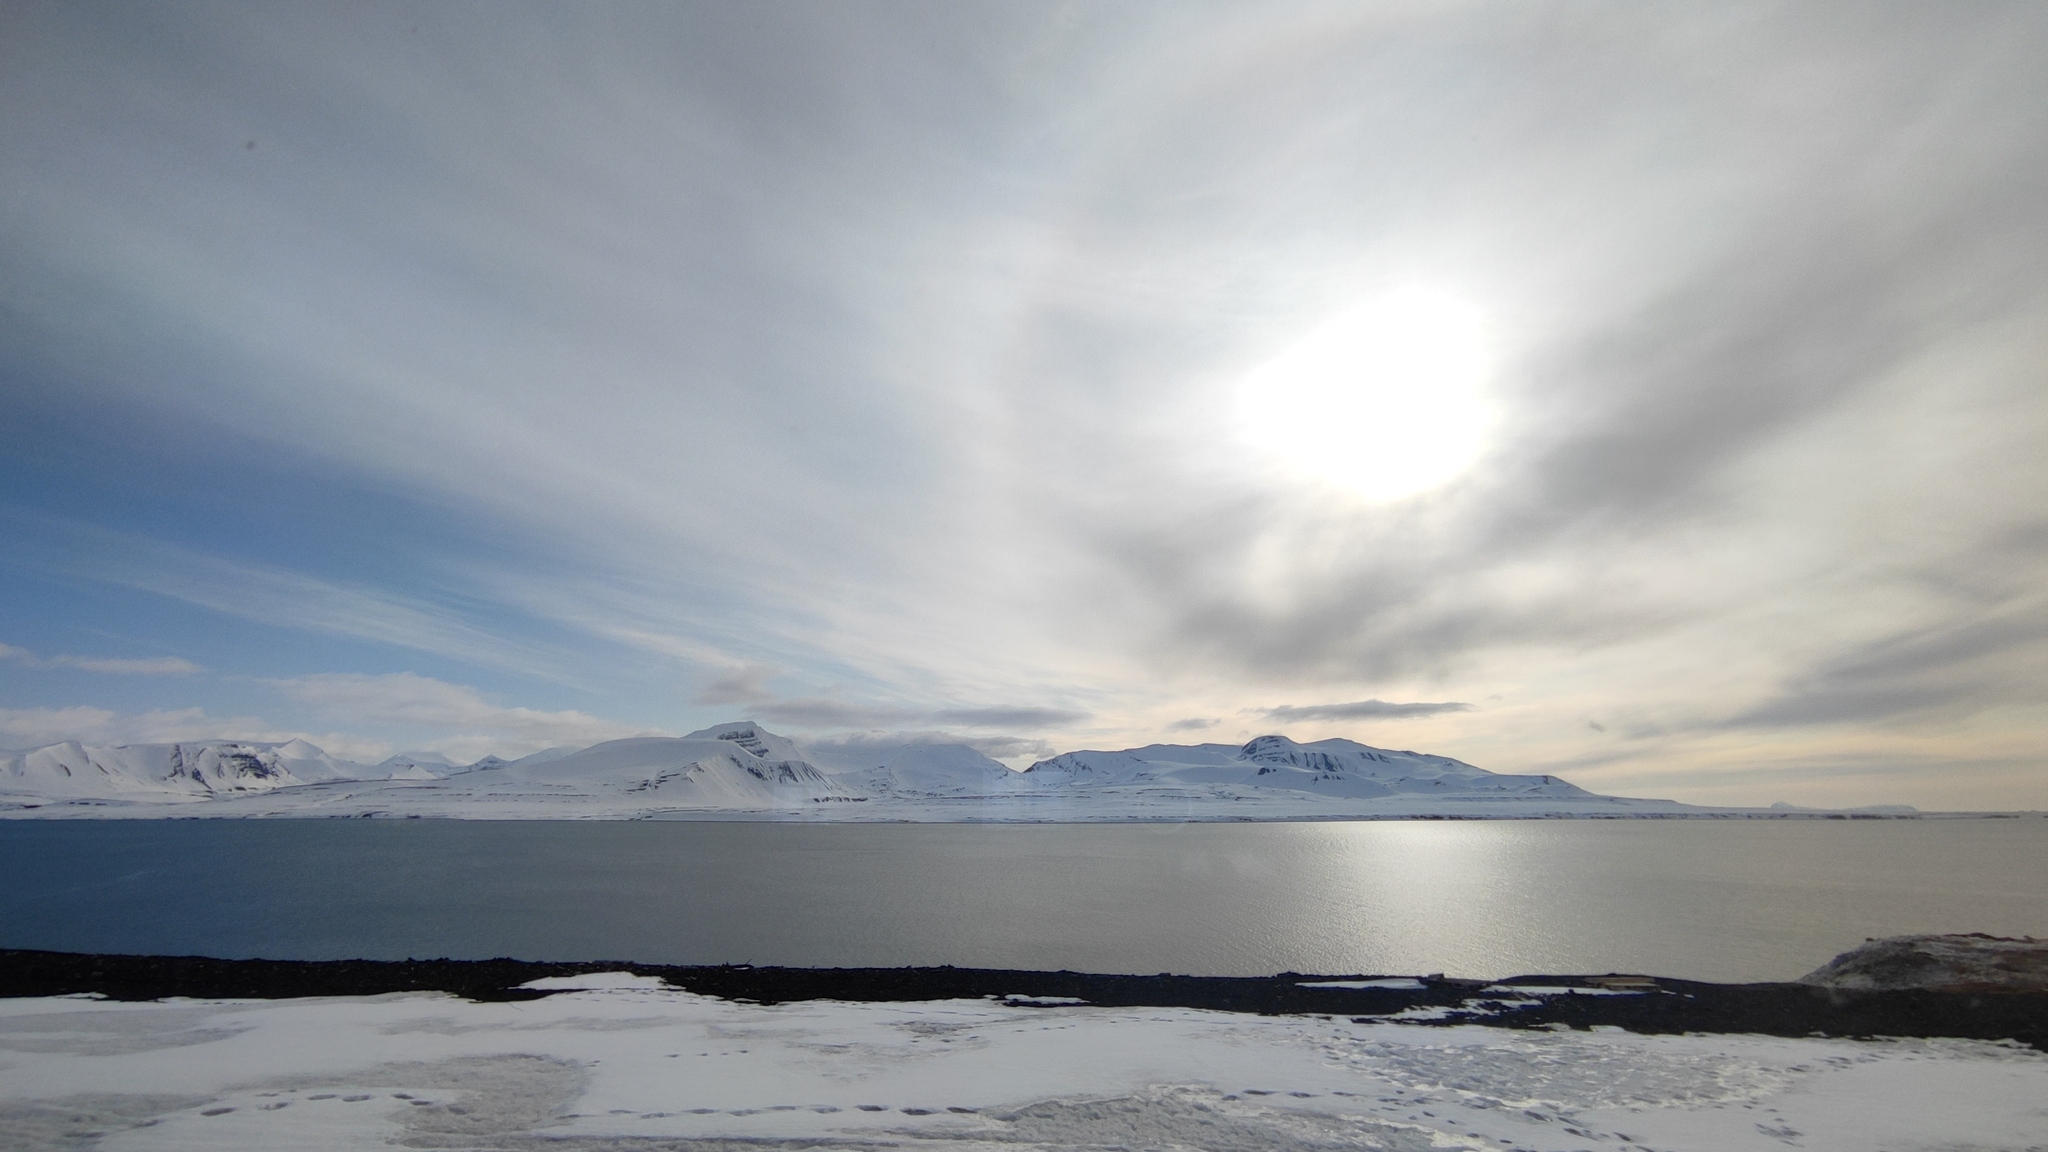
<point x="626" y="1063"/>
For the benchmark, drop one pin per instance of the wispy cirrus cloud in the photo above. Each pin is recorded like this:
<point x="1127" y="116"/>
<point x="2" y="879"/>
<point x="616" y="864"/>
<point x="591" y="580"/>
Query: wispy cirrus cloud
<point x="1362" y="710"/>
<point x="278" y="596"/>
<point x="826" y="712"/>
<point x="456" y="714"/>
<point x="903" y="360"/>
<point x="114" y="665"/>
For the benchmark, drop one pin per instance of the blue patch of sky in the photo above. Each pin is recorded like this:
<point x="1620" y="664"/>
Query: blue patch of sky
<point x="96" y="479"/>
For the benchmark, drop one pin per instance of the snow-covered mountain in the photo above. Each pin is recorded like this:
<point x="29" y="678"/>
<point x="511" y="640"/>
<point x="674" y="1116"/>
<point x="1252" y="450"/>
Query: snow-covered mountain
<point x="926" y="770"/>
<point x="1334" y="768"/>
<point x="166" y="772"/>
<point x="417" y="766"/>
<point x="741" y="770"/>
<point x="731" y="766"/>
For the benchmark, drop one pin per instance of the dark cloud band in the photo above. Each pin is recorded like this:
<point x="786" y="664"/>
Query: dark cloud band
<point x="1363" y="710"/>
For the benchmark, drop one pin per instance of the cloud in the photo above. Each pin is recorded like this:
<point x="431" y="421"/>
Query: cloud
<point x="1362" y="710"/>
<point x="154" y="666"/>
<point x="818" y="712"/>
<point x="279" y="596"/>
<point x="993" y="747"/>
<point x="37" y="727"/>
<point x="450" y="711"/>
<point x="747" y="682"/>
<point x="1010" y="717"/>
<point x="1192" y="723"/>
<point x="34" y="727"/>
<point x="823" y="712"/>
<point x="898" y="349"/>
<point x="1010" y="747"/>
<point x="119" y="666"/>
<point x="1634" y="404"/>
<point x="1949" y="670"/>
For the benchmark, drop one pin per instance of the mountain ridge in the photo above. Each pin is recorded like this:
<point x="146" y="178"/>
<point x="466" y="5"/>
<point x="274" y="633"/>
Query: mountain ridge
<point x="1330" y="767"/>
<point x="743" y="770"/>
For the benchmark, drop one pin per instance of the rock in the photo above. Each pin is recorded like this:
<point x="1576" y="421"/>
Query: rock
<point x="1958" y="963"/>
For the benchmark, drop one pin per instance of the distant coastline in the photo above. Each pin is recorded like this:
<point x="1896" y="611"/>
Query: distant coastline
<point x="741" y="771"/>
<point x="1003" y="810"/>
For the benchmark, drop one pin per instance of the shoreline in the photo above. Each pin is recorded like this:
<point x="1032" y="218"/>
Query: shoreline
<point x="182" y="811"/>
<point x="1645" y="1005"/>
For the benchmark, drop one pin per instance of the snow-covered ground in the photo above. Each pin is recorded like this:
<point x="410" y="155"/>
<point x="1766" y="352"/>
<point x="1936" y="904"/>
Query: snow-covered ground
<point x="742" y="771"/>
<point x="631" y="1065"/>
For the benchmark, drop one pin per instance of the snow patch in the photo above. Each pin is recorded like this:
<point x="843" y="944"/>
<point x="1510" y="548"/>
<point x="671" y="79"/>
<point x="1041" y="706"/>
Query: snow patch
<point x="598" y="982"/>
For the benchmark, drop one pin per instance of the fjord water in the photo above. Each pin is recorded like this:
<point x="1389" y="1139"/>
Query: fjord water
<point x="1712" y="900"/>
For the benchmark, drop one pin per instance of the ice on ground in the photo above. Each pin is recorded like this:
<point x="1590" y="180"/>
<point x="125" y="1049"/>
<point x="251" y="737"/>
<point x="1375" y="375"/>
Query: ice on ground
<point x="636" y="1067"/>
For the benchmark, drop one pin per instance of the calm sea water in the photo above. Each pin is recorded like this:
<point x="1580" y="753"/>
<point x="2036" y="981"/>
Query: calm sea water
<point x="1733" y="901"/>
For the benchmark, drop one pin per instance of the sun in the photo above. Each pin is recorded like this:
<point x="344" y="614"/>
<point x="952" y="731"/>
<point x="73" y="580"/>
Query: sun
<point x="1383" y="400"/>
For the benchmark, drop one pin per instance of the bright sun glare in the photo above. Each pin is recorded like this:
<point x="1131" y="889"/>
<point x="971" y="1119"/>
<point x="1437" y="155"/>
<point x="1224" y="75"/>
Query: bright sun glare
<point x="1384" y="400"/>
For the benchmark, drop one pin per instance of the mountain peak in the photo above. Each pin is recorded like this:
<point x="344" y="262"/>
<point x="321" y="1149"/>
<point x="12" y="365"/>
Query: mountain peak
<point x="1261" y="747"/>
<point x="741" y="766"/>
<point x="750" y="737"/>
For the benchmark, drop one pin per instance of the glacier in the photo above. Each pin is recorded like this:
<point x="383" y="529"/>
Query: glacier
<point x="741" y="770"/>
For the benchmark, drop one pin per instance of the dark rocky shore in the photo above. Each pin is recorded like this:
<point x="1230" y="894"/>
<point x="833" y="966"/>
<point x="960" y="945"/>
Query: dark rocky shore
<point x="1662" y="1006"/>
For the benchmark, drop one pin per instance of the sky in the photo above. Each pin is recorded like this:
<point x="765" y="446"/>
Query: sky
<point x="1652" y="395"/>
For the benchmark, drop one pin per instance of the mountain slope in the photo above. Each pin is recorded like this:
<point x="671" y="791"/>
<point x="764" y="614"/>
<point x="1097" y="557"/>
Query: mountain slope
<point x="166" y="772"/>
<point x="931" y="771"/>
<point x="743" y="771"/>
<point x="1335" y="768"/>
<point x="419" y="766"/>
<point x="731" y="766"/>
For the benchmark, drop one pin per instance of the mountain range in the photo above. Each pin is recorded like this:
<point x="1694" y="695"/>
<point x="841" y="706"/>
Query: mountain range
<point x="743" y="771"/>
